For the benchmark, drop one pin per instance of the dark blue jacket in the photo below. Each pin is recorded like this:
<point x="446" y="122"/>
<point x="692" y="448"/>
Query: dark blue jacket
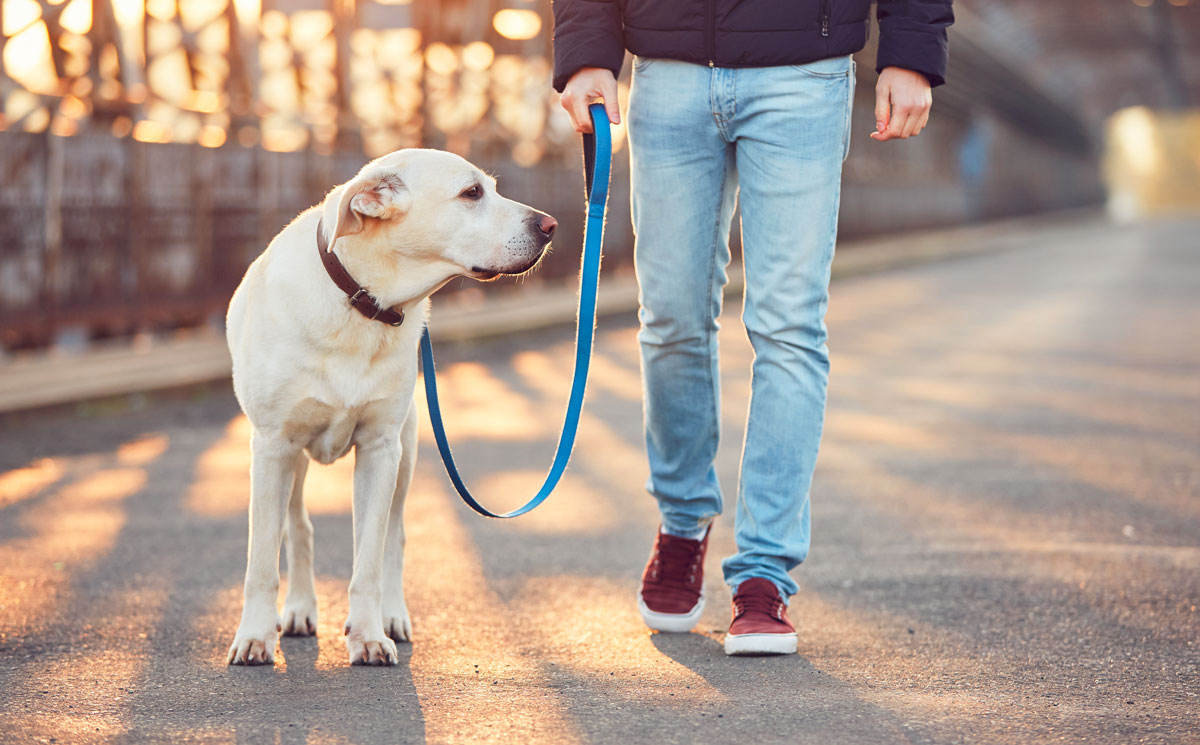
<point x="748" y="33"/>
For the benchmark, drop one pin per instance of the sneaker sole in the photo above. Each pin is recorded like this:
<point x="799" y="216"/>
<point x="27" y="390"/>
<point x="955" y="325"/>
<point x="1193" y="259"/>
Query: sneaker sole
<point x="678" y="623"/>
<point x="760" y="644"/>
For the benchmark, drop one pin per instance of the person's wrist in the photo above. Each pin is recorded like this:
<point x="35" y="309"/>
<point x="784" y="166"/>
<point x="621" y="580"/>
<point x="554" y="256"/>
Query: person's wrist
<point x="916" y="75"/>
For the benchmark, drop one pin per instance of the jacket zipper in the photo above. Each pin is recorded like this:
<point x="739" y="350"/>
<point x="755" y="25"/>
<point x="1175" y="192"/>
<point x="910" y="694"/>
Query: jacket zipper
<point x="710" y="40"/>
<point x="825" y="17"/>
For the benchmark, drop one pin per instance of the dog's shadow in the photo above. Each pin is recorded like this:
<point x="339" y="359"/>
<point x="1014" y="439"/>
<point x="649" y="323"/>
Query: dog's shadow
<point x="306" y="698"/>
<point x="302" y="652"/>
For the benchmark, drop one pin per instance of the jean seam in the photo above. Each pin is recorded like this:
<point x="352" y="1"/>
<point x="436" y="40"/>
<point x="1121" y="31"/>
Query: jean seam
<point x="837" y="199"/>
<point x="851" y="85"/>
<point x="715" y="436"/>
<point x="715" y="96"/>
<point x="735" y="77"/>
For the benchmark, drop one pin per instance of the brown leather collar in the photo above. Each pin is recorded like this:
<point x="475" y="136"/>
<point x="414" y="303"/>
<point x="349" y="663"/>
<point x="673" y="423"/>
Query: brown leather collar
<point x="360" y="299"/>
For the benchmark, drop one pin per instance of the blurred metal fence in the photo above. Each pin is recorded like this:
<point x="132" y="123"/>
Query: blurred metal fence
<point x="325" y="75"/>
<point x="115" y="235"/>
<point x="150" y="148"/>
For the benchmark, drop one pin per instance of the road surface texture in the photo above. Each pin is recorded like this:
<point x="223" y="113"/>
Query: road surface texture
<point x="1006" y="521"/>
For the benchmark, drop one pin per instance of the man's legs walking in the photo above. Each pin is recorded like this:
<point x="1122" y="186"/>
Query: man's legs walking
<point x="789" y="127"/>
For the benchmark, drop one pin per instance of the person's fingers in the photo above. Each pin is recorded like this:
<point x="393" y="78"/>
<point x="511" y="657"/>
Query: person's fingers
<point x="905" y="116"/>
<point x="612" y="105"/>
<point x="895" y="128"/>
<point x="912" y="124"/>
<point x="576" y="106"/>
<point x="883" y="110"/>
<point x="567" y="101"/>
<point x="581" y="116"/>
<point x="613" y="108"/>
<point x="923" y="123"/>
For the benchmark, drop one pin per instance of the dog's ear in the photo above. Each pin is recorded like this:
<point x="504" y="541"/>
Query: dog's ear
<point x="379" y="194"/>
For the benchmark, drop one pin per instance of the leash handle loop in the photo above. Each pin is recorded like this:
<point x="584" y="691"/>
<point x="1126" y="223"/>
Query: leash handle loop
<point x="597" y="164"/>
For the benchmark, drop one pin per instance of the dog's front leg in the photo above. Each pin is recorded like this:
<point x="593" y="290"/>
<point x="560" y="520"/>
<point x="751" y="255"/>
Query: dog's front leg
<point x="272" y="469"/>
<point x="395" y="612"/>
<point x="376" y="463"/>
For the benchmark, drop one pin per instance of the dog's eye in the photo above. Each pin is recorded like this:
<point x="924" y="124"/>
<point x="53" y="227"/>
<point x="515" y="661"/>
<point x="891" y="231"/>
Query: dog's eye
<point x="475" y="192"/>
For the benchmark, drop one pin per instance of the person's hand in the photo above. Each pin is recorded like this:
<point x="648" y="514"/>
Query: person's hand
<point x="586" y="86"/>
<point x="902" y="102"/>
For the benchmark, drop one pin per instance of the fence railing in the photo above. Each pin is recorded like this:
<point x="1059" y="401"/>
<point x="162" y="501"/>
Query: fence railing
<point x="113" y="236"/>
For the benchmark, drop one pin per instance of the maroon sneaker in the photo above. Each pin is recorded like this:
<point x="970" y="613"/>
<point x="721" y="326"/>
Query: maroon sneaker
<point x="672" y="595"/>
<point x="760" y="622"/>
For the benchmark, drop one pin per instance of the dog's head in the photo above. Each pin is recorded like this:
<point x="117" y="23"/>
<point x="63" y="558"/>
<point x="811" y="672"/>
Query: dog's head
<point x="434" y="214"/>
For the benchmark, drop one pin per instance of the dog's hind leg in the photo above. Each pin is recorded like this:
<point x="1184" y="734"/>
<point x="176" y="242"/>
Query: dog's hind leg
<point x="300" y="603"/>
<point x="272" y="469"/>
<point x="396" y="622"/>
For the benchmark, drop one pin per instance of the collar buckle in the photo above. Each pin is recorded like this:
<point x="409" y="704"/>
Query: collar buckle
<point x="360" y="299"/>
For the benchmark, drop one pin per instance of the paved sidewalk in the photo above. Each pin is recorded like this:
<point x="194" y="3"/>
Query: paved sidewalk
<point x="1006" y="517"/>
<point x="32" y="382"/>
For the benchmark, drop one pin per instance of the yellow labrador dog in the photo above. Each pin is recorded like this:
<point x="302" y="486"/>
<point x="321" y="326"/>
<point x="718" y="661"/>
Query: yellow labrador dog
<point x="323" y="331"/>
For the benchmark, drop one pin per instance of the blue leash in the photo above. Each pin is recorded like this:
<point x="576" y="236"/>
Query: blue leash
<point x="597" y="162"/>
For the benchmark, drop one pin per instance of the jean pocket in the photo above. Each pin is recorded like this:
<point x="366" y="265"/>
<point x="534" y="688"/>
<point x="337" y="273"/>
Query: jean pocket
<point x="831" y="68"/>
<point x="641" y="63"/>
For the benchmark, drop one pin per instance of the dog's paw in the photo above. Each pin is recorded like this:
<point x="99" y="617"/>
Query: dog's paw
<point x="370" y="651"/>
<point x="382" y="652"/>
<point x="398" y="626"/>
<point x="253" y="649"/>
<point x="299" y="618"/>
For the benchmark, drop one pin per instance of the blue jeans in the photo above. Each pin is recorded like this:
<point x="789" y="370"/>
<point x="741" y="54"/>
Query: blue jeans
<point x="700" y="139"/>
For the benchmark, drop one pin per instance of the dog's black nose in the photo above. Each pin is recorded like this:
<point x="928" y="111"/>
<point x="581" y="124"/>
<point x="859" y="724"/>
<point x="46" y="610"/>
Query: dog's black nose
<point x="546" y="226"/>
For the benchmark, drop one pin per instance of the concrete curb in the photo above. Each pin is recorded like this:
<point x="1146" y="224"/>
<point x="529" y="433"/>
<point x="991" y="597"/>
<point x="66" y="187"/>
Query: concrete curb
<point x="54" y="379"/>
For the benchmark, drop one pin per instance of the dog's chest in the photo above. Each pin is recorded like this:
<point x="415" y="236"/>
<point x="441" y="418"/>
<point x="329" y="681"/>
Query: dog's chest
<point x="351" y="383"/>
<point x="348" y="390"/>
<point x="324" y="431"/>
<point x="364" y="370"/>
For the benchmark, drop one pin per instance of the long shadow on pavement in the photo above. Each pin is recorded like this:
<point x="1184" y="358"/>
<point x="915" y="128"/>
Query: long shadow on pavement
<point x="129" y="647"/>
<point x="785" y="698"/>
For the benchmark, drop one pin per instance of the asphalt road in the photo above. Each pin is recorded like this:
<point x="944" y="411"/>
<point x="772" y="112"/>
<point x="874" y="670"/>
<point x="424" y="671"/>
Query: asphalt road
<point x="1006" y="540"/>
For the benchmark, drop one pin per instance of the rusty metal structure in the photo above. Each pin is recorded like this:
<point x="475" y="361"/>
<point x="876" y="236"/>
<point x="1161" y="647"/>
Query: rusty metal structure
<point x="150" y="148"/>
<point x="287" y="75"/>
